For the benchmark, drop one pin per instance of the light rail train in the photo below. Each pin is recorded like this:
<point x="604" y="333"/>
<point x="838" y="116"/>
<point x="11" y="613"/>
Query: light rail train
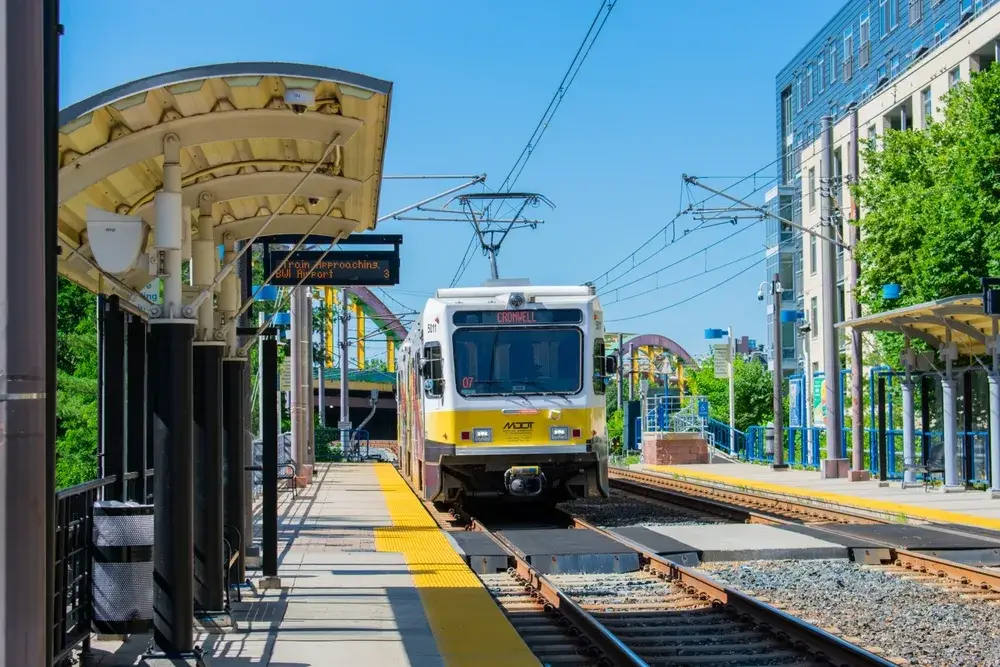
<point x="501" y="394"/>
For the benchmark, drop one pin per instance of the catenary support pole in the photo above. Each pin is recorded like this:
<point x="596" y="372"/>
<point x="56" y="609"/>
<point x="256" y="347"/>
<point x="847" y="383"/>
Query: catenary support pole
<point x="828" y="319"/>
<point x="24" y="438"/>
<point x="777" y="403"/>
<point x="853" y="271"/>
<point x="621" y="371"/>
<point x="732" y="394"/>
<point x="112" y="459"/>
<point x="295" y="393"/>
<point x="345" y="414"/>
<point x="135" y="415"/>
<point x="269" y="477"/>
<point x="807" y="376"/>
<point x="321" y="377"/>
<point x="308" y="386"/>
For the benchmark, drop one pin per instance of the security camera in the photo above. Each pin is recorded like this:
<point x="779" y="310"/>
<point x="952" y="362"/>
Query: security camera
<point x="299" y="99"/>
<point x="805" y="328"/>
<point x="313" y="201"/>
<point x="760" y="295"/>
<point x="115" y="240"/>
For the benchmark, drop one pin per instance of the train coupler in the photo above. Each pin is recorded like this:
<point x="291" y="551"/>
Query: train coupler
<point x="524" y="480"/>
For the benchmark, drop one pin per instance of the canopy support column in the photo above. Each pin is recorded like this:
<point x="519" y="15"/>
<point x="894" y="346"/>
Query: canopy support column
<point x="994" y="378"/>
<point x="909" y="417"/>
<point x="170" y="367"/>
<point x="948" y="352"/>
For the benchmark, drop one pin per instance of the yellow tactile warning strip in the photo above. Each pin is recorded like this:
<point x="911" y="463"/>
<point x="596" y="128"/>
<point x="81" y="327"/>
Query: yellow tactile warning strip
<point x="469" y="628"/>
<point x="871" y="504"/>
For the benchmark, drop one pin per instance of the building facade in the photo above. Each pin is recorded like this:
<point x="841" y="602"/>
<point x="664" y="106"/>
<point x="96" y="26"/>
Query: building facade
<point x="877" y="65"/>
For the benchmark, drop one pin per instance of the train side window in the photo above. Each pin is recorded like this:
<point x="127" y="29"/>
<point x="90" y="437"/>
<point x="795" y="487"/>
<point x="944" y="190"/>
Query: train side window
<point x="599" y="366"/>
<point x="433" y="370"/>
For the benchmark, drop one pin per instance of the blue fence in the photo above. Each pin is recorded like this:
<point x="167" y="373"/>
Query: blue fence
<point x="807" y="447"/>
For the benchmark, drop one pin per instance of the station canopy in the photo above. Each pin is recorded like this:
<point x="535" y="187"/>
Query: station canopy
<point x="970" y="328"/>
<point x="244" y="148"/>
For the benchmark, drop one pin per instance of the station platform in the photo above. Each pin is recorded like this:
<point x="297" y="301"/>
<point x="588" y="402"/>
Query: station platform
<point x="892" y="502"/>
<point x="367" y="579"/>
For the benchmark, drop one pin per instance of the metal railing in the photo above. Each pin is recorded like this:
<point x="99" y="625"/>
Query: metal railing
<point x="676" y="414"/>
<point x="72" y="590"/>
<point x="807" y="447"/>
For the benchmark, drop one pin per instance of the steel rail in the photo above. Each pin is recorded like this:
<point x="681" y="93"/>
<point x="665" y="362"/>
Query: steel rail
<point x="822" y="645"/>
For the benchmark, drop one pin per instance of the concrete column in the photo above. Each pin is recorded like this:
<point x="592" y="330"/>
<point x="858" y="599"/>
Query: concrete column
<point x="309" y="386"/>
<point x="27" y="342"/>
<point x="300" y="379"/>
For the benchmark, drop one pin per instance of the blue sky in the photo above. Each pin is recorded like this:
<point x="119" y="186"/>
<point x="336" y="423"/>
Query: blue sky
<point x="669" y="88"/>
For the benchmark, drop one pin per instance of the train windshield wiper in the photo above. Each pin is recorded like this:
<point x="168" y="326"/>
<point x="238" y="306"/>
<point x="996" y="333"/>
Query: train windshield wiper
<point x="501" y="393"/>
<point x="536" y="383"/>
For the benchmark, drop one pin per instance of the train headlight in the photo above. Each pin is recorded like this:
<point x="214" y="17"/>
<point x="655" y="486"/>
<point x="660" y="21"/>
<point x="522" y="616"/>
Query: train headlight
<point x="482" y="435"/>
<point x="559" y="432"/>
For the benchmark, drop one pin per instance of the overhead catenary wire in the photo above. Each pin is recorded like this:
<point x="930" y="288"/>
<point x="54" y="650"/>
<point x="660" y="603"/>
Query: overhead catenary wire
<point x="583" y="50"/>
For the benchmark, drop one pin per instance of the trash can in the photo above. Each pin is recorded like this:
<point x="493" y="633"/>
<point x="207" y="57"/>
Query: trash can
<point x="122" y="568"/>
<point x="769" y="439"/>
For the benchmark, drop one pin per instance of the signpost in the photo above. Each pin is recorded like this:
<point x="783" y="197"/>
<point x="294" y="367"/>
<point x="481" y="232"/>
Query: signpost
<point x="339" y="268"/>
<point x="721" y="358"/>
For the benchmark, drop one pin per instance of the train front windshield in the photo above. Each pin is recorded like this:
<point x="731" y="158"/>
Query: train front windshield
<point x="495" y="362"/>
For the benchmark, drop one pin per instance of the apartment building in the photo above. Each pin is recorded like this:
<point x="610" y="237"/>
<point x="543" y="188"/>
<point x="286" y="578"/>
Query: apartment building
<point x="878" y="64"/>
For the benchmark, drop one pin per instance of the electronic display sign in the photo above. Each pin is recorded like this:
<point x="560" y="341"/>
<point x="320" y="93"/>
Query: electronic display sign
<point x="525" y="317"/>
<point x="339" y="268"/>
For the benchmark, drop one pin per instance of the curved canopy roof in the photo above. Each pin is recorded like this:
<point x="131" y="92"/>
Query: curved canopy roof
<point x="960" y="318"/>
<point x="243" y="150"/>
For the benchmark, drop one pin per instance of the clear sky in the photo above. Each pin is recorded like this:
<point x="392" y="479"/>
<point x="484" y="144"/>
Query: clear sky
<point x="669" y="88"/>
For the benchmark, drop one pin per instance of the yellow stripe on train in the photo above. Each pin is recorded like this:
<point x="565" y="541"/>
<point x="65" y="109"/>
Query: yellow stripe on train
<point x="465" y="428"/>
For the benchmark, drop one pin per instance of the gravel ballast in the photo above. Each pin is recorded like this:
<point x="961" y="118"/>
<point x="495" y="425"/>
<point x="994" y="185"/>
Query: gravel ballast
<point x="620" y="510"/>
<point x="906" y="619"/>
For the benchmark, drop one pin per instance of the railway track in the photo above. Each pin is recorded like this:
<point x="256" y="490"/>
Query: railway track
<point x="975" y="581"/>
<point x="663" y="614"/>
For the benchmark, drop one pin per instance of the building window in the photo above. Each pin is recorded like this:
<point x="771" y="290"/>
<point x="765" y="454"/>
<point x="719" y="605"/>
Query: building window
<point x="786" y="131"/>
<point x="848" y="54"/>
<point x="954" y="77"/>
<point x="812" y="188"/>
<point x="821" y="65"/>
<point x="812" y="255"/>
<point x="864" y="37"/>
<point x="833" y="64"/>
<point x="798" y="90"/>
<point x="809" y="84"/>
<point x="940" y="31"/>
<point x="916" y="11"/>
<point x="888" y="16"/>
<point x="872" y="136"/>
<point x="814" y="317"/>
<point x="894" y="67"/>
<point x="926" y="105"/>
<point x="964" y="8"/>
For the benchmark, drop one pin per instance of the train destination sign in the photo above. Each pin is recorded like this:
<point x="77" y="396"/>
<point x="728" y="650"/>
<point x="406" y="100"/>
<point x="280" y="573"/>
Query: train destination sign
<point x="339" y="268"/>
<point x="525" y="317"/>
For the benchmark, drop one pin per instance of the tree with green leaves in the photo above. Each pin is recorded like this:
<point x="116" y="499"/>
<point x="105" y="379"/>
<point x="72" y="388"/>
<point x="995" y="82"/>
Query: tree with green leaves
<point x="754" y="391"/>
<point x="931" y="205"/>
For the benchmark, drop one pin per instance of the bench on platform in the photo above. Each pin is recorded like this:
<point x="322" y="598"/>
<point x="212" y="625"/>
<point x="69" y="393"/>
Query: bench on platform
<point x="933" y="467"/>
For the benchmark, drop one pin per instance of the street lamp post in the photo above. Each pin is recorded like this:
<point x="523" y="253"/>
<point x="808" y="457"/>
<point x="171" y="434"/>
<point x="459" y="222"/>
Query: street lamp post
<point x="730" y="357"/>
<point x="778" y="462"/>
